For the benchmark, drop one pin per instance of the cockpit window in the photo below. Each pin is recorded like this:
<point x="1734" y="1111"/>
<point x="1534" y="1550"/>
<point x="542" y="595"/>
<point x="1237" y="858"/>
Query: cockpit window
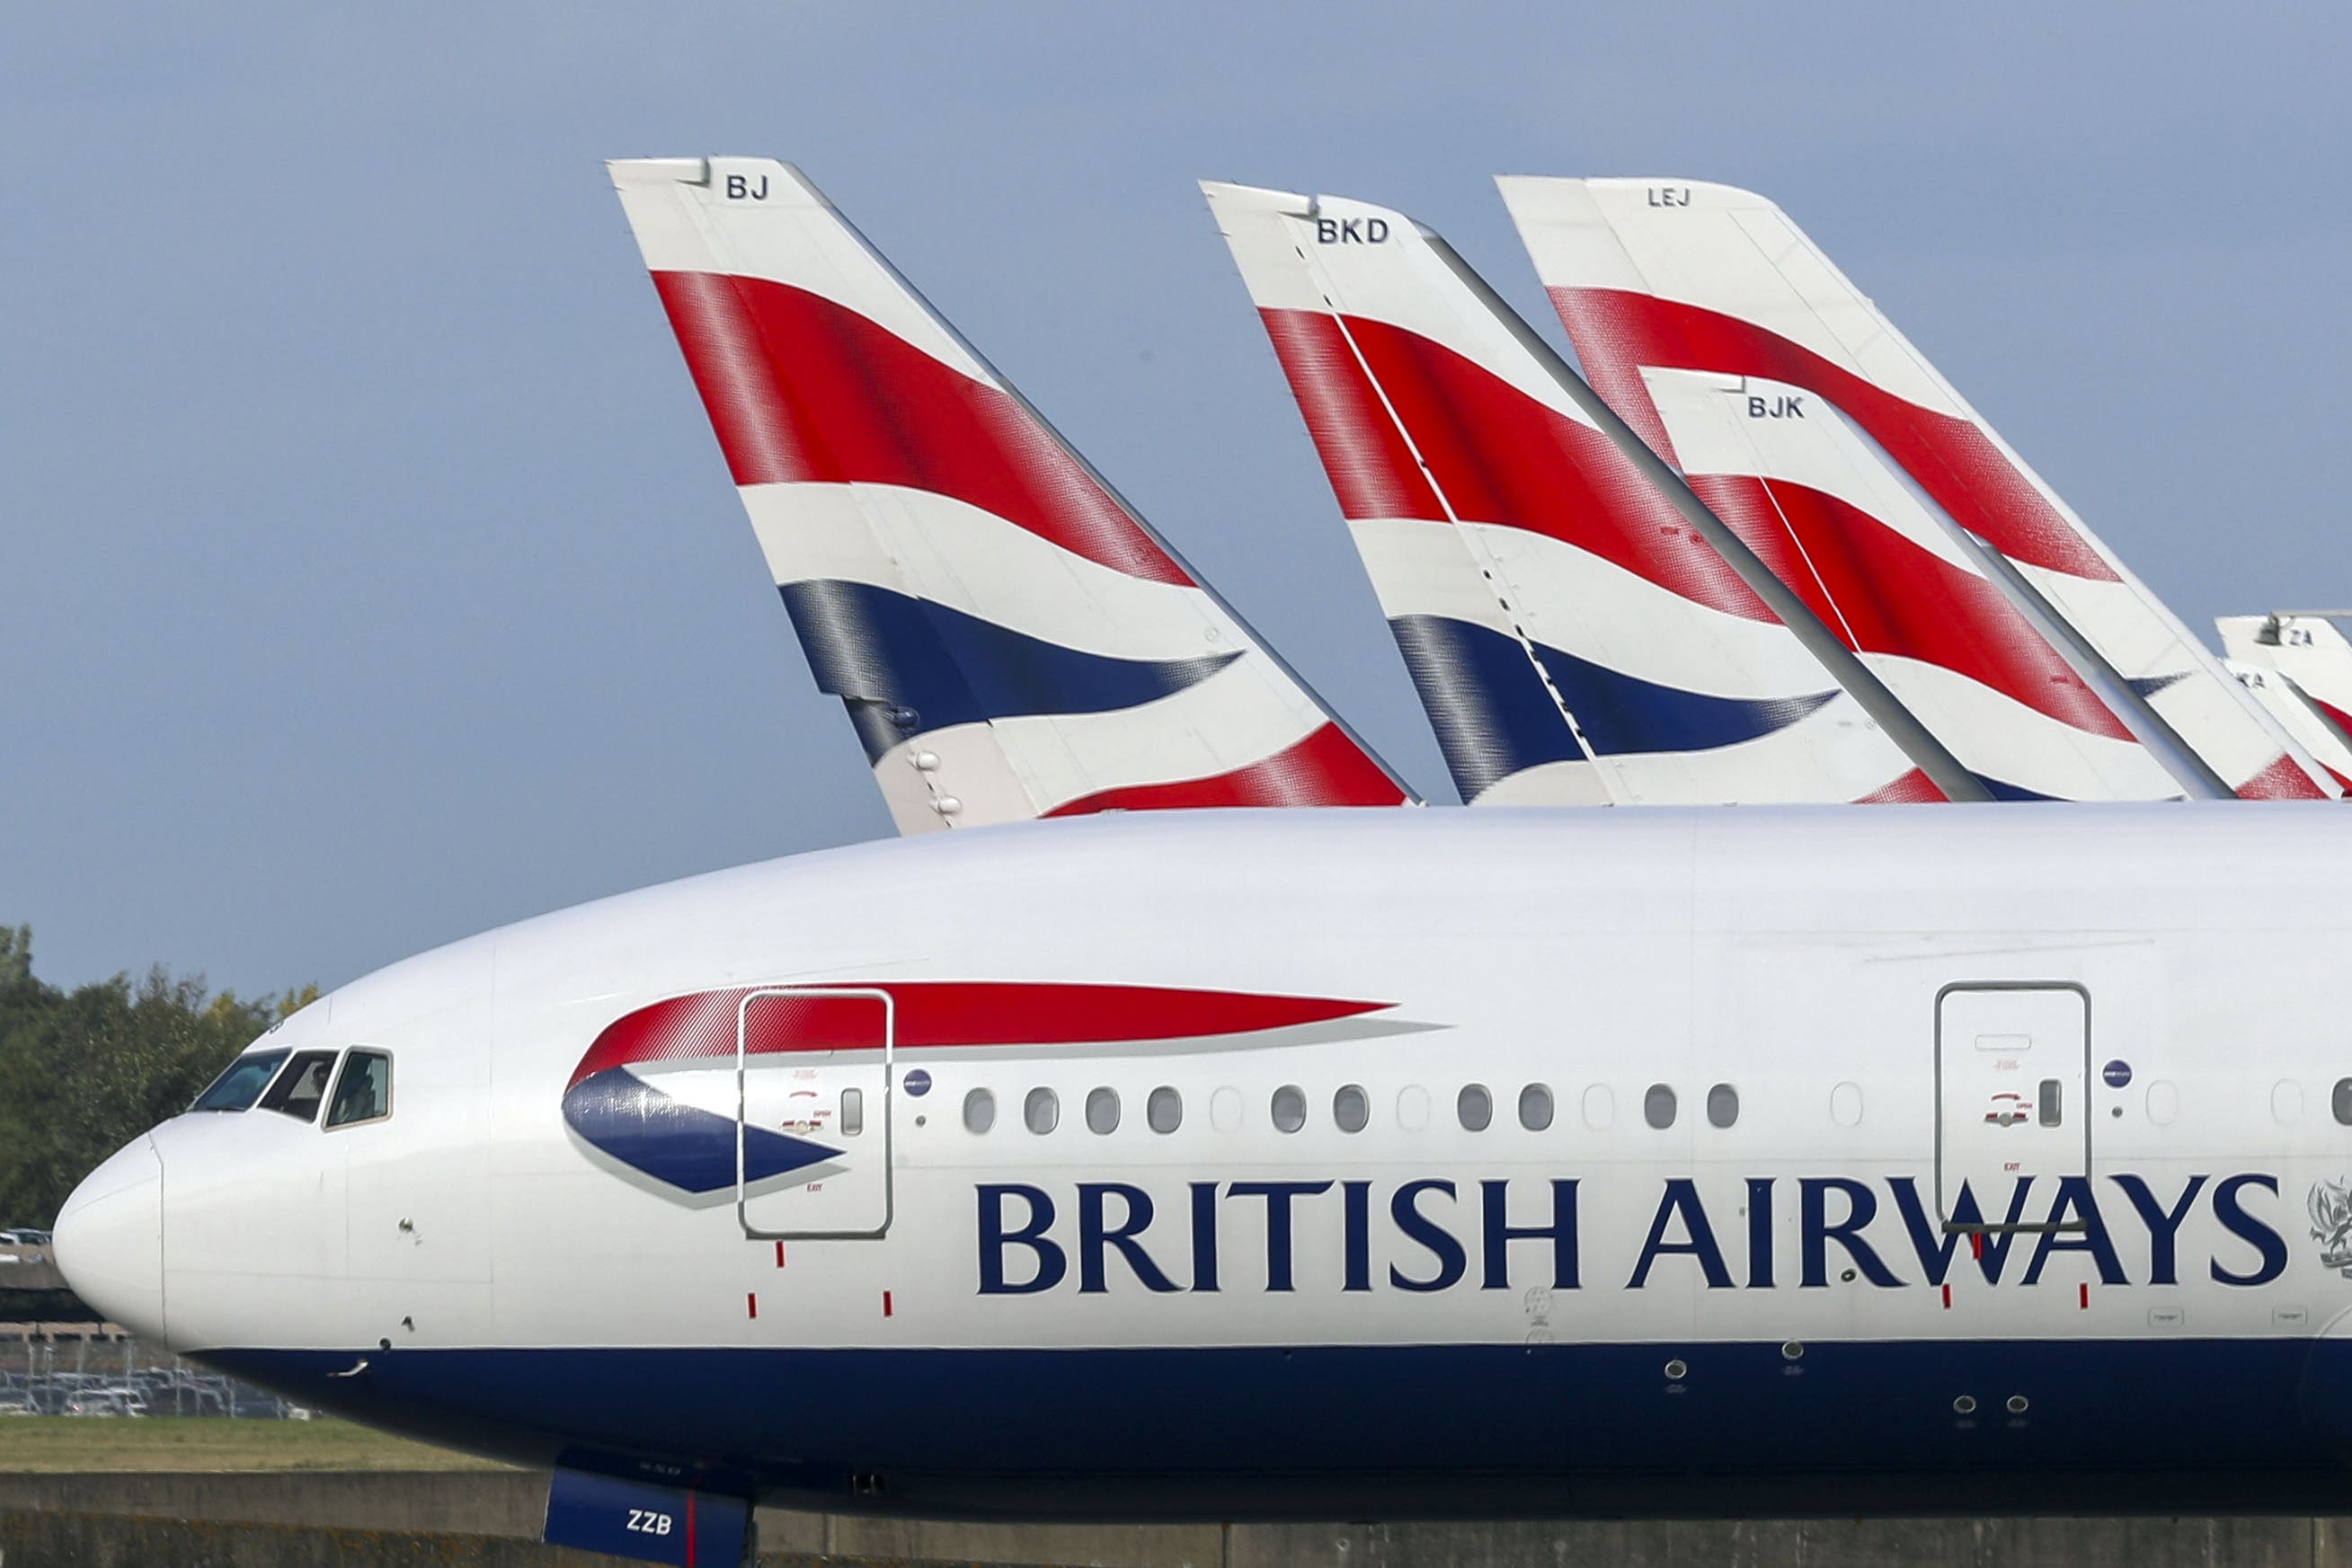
<point x="303" y="1084"/>
<point x="363" y="1093"/>
<point x="241" y="1085"/>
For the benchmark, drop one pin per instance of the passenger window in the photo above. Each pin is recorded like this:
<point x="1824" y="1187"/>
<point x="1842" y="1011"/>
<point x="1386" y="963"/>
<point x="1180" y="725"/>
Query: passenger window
<point x="853" y="1112"/>
<point x="1102" y="1111"/>
<point x="1722" y="1105"/>
<point x="1474" y="1107"/>
<point x="2342" y="1102"/>
<point x="241" y="1083"/>
<point x="1658" y="1106"/>
<point x="1534" y="1107"/>
<point x="1289" y="1108"/>
<point x="978" y="1110"/>
<point x="1041" y="1111"/>
<point x="1164" y="1110"/>
<point x="303" y="1086"/>
<point x="1351" y="1108"/>
<point x="362" y="1090"/>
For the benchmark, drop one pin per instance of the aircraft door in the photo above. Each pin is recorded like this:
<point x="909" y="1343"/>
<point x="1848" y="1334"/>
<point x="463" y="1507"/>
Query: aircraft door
<point x="813" y="1082"/>
<point x="2012" y="1093"/>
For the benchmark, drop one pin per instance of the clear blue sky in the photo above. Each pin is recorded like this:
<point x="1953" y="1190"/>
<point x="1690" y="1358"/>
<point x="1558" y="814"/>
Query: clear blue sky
<point x="369" y="577"/>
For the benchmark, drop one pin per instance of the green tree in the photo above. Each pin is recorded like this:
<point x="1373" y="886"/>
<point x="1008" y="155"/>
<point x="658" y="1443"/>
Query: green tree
<point x="84" y="1071"/>
<point x="16" y="954"/>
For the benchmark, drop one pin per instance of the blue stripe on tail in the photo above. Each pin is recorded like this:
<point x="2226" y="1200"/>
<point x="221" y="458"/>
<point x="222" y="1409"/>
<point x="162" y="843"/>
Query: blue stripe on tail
<point x="1492" y="715"/>
<point x="1622" y="714"/>
<point x="907" y="665"/>
<point x="1494" y="719"/>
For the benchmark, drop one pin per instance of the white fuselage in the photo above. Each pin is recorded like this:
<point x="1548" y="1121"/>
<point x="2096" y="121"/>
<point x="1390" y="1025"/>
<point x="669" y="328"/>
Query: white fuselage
<point x="1873" y="1003"/>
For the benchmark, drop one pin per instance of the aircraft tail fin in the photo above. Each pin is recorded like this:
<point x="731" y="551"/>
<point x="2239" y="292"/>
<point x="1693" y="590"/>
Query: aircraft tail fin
<point x="2300" y="667"/>
<point x="1680" y="278"/>
<point x="1573" y="640"/>
<point x="1011" y="640"/>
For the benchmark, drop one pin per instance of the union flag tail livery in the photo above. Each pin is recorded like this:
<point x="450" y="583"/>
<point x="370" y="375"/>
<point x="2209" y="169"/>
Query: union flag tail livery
<point x="2299" y="666"/>
<point x="1573" y="640"/>
<point x="1813" y="496"/>
<point x="2297" y="714"/>
<point x="1671" y="289"/>
<point x="1010" y="638"/>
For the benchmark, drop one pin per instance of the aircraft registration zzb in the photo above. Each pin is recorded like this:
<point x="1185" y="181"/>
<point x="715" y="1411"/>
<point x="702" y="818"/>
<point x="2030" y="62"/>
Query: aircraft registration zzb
<point x="1326" y="1164"/>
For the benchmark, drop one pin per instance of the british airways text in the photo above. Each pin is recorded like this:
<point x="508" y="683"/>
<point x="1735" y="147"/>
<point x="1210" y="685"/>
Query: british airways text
<point x="1437" y="1234"/>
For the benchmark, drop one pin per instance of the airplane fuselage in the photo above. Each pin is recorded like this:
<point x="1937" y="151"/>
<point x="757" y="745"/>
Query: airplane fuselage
<point x="1351" y="1164"/>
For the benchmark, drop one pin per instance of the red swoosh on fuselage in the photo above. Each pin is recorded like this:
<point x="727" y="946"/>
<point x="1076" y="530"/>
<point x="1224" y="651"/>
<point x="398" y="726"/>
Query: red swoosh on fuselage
<point x="935" y="1013"/>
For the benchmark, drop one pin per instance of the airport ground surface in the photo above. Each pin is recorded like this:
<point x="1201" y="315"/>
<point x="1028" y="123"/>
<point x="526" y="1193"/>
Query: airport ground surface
<point x="163" y="1493"/>
<point x="49" y="1446"/>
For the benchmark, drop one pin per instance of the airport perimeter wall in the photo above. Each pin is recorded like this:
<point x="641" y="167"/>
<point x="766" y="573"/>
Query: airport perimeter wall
<point x="490" y="1519"/>
<point x="104" y="1541"/>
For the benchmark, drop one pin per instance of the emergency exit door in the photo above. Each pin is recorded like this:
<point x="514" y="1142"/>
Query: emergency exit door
<point x="2012" y="1098"/>
<point x="812" y="1081"/>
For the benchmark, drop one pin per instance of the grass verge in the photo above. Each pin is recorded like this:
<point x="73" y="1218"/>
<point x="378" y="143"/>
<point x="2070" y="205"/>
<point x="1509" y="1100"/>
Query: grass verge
<point x="50" y="1444"/>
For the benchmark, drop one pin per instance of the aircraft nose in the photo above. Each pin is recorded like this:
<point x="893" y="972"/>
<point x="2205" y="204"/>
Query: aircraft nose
<point x="109" y="1239"/>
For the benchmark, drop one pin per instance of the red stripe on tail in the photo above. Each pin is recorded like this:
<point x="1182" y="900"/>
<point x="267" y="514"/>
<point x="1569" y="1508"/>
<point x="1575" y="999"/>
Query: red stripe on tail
<point x="1912" y="788"/>
<point x="1371" y="469"/>
<point x="1327" y="768"/>
<point x="800" y="388"/>
<point x="2281" y="780"/>
<point x="1880" y="594"/>
<point x="1498" y="454"/>
<point x="1616" y="332"/>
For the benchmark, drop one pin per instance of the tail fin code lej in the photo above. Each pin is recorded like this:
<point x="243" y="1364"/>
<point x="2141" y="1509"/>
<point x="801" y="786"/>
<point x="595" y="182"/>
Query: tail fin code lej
<point x="1653" y="278"/>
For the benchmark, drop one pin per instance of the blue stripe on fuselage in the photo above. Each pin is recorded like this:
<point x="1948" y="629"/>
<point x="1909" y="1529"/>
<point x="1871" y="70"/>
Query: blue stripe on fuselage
<point x="2155" y="1424"/>
<point x="692" y="1150"/>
